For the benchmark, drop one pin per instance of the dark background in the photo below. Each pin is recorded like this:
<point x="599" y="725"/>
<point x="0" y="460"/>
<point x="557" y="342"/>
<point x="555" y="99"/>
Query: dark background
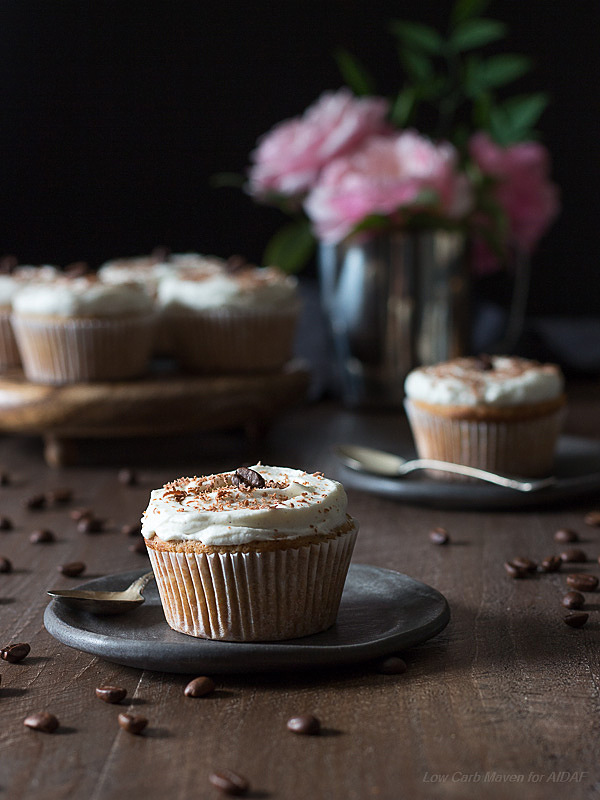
<point x="116" y="114"/>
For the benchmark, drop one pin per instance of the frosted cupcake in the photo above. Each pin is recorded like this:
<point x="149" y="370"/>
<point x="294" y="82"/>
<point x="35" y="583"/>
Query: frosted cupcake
<point x="147" y="271"/>
<point x="227" y="317"/>
<point x="257" y="554"/>
<point x="82" y="329"/>
<point x="498" y="413"/>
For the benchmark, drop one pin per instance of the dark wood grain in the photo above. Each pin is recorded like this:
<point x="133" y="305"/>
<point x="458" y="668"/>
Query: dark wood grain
<point x="506" y="692"/>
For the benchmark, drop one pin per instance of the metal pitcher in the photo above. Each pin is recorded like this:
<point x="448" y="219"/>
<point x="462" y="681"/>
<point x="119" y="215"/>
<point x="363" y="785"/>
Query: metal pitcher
<point x="394" y="302"/>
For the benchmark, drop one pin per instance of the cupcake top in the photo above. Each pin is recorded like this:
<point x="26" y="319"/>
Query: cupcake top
<point x="485" y="380"/>
<point x="215" y="284"/>
<point x="11" y="283"/>
<point x="145" y="270"/>
<point x="248" y="505"/>
<point x="84" y="296"/>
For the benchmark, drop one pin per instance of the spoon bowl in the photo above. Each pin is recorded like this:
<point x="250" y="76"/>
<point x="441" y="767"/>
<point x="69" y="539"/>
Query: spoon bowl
<point x="104" y="602"/>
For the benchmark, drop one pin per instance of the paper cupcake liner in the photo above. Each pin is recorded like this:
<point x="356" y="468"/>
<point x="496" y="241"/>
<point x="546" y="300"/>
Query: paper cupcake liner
<point x="223" y="340"/>
<point x="263" y="595"/>
<point x="75" y="350"/>
<point x="513" y="447"/>
<point x="9" y="352"/>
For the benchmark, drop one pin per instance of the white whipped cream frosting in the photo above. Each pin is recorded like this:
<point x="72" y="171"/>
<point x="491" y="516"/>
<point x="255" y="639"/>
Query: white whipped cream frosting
<point x="461" y="382"/>
<point x="82" y="297"/>
<point x="214" y="511"/>
<point x="142" y="270"/>
<point x="12" y="283"/>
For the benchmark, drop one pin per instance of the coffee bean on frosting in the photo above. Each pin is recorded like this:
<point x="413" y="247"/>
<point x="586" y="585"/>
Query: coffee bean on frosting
<point x="574" y="600"/>
<point x="13" y="653"/>
<point x="582" y="582"/>
<point x="111" y="694"/>
<point x="439" y="536"/>
<point x="229" y="782"/>
<point x="42" y="721"/>
<point x="198" y="687"/>
<point x="566" y="535"/>
<point x="573" y="556"/>
<point x="304" y="724"/>
<point x="483" y="362"/>
<point x="248" y="477"/>
<point x="132" y="723"/>
<point x="577" y="619"/>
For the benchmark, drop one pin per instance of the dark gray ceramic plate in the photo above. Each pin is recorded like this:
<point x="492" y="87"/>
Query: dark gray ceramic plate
<point x="577" y="469"/>
<point x="381" y="612"/>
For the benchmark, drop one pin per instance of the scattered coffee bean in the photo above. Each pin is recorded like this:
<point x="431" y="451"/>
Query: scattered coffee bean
<point x="90" y="525"/>
<point x="139" y="547"/>
<point x="574" y="600"/>
<point x="565" y="535"/>
<point x="131" y="530"/>
<point x="515" y="571"/>
<point x="198" y="687"/>
<point x="127" y="477"/>
<point x="304" y="724"/>
<point x="14" y="653"/>
<point x="111" y="694"/>
<point x="248" y="477"/>
<point x="6" y="524"/>
<point x="41" y="721"/>
<point x="5" y="564"/>
<point x="4" y="478"/>
<point x="582" y="582"/>
<point x="72" y="569"/>
<point x="229" y="782"/>
<point x="35" y="502"/>
<point x="42" y="536"/>
<point x="484" y="362"/>
<point x="573" y="556"/>
<point x="576" y="620"/>
<point x="392" y="666"/>
<point x="58" y="497"/>
<point x="81" y="513"/>
<point x="77" y="269"/>
<point x="550" y="564"/>
<point x="132" y="724"/>
<point x="524" y="563"/>
<point x="593" y="519"/>
<point x="439" y="536"/>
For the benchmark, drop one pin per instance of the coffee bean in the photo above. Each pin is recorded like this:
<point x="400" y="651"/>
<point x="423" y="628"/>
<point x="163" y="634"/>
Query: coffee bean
<point x="573" y="556"/>
<point x="4" y="478"/>
<point x="81" y="513"/>
<point x="14" y="653"/>
<point x="6" y="524"/>
<point x="524" y="563"/>
<point x="132" y="724"/>
<point x="392" y="666"/>
<point x="127" y="477"/>
<point x="5" y="564"/>
<point x="72" y="569"/>
<point x="90" y="525"/>
<point x="573" y="600"/>
<point x="131" y="530"/>
<point x="139" y="547"/>
<point x="576" y="620"/>
<point x="229" y="782"/>
<point x="582" y="582"/>
<point x="199" y="687"/>
<point x="515" y="571"/>
<point x="111" y="694"/>
<point x="248" y="477"/>
<point x="41" y="536"/>
<point x="593" y="519"/>
<point x="304" y="724"/>
<point x="439" y="536"/>
<point x="77" y="269"/>
<point x="483" y="362"/>
<point x="35" y="502"/>
<point x="42" y="721"/>
<point x="58" y="497"/>
<point x="565" y="535"/>
<point x="550" y="564"/>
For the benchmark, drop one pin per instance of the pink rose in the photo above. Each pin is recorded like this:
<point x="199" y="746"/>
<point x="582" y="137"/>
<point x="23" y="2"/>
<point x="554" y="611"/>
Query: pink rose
<point x="524" y="191"/>
<point x="390" y="176"/>
<point x="288" y="158"/>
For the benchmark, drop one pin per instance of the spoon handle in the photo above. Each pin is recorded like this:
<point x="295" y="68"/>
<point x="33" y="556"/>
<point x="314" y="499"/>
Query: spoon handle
<point x="474" y="472"/>
<point x="140" y="583"/>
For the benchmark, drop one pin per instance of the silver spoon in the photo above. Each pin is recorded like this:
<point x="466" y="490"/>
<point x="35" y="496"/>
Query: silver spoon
<point x="367" y="459"/>
<point x="104" y="602"/>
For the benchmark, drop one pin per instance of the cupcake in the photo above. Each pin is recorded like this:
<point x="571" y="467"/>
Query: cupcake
<point x="497" y="413"/>
<point x="147" y="271"/>
<point x="258" y="554"/>
<point x="82" y="329"/>
<point x="227" y="317"/>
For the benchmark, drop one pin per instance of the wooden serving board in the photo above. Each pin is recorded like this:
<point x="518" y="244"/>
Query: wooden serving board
<point x="164" y="403"/>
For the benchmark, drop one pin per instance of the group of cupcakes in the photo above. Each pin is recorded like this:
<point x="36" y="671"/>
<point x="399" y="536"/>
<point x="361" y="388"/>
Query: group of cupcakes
<point x="210" y="315"/>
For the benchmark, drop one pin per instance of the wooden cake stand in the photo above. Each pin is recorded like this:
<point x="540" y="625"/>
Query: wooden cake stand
<point x="164" y="403"/>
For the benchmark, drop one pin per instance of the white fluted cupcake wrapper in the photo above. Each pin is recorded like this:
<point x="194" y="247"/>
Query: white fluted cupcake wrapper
<point x="258" y="596"/>
<point x="62" y="351"/>
<point x="240" y="340"/>
<point x="9" y="352"/>
<point x="515" y="447"/>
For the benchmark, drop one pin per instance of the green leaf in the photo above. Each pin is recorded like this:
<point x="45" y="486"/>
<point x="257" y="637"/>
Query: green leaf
<point x="224" y="179"/>
<point x="474" y="33"/>
<point x="418" y="37"/>
<point x="355" y="75"/>
<point x="502" y="69"/>
<point x="525" y="110"/>
<point x="465" y="9"/>
<point x="403" y="107"/>
<point x="291" y="247"/>
<point x="417" y="66"/>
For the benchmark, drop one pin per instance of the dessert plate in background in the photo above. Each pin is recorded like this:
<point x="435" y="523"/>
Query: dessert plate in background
<point x="577" y="470"/>
<point x="381" y="612"/>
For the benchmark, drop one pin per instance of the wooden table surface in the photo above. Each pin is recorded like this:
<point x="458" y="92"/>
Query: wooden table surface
<point x="504" y="703"/>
